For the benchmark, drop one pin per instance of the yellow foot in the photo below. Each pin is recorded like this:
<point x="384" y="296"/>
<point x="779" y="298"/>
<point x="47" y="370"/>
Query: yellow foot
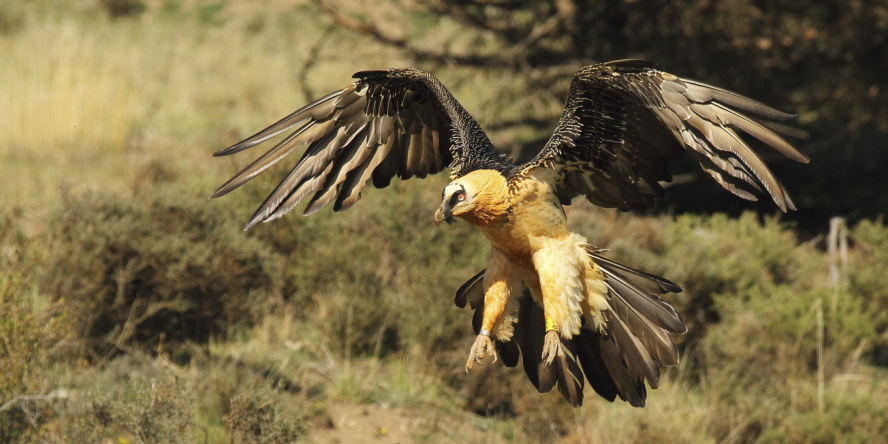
<point x="482" y="347"/>
<point x="551" y="346"/>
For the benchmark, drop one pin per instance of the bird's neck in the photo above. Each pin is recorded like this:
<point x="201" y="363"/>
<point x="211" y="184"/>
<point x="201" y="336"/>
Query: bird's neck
<point x="491" y="203"/>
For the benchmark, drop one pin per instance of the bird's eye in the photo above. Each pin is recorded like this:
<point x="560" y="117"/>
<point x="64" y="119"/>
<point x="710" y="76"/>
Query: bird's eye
<point x="461" y="197"/>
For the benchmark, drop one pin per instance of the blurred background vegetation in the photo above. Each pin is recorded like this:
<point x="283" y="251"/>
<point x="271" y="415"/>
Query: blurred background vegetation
<point x="134" y="310"/>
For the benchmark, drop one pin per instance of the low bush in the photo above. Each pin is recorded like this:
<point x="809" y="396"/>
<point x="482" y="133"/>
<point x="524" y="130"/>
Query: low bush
<point x="157" y="267"/>
<point x="260" y="416"/>
<point x="30" y="328"/>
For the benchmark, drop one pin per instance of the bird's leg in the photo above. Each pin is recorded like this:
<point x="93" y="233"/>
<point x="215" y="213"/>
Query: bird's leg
<point x="496" y="294"/>
<point x="551" y="342"/>
<point x="494" y="304"/>
<point x="481" y="348"/>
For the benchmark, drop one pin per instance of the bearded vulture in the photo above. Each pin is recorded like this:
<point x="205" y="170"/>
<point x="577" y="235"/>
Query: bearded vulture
<point x="546" y="294"/>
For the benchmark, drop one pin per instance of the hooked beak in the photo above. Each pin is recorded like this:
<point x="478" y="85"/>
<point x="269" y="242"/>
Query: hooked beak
<point x="444" y="213"/>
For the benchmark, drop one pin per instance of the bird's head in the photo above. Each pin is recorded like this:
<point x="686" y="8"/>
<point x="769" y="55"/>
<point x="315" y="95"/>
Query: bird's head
<point x="479" y="197"/>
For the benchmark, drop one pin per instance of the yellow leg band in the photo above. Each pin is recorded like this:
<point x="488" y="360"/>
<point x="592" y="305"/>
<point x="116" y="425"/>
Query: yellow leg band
<point x="550" y="325"/>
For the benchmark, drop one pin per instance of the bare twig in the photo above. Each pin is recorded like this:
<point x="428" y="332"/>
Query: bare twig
<point x="457" y="11"/>
<point x="21" y="401"/>
<point x="310" y="61"/>
<point x="372" y="31"/>
<point x="538" y="32"/>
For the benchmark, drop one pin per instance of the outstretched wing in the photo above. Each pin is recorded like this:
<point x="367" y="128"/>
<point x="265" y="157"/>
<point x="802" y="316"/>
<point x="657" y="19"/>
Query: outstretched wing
<point x="625" y="122"/>
<point x="395" y="122"/>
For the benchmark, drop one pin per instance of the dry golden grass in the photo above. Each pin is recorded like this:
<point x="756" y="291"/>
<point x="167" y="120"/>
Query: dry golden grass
<point x="89" y="100"/>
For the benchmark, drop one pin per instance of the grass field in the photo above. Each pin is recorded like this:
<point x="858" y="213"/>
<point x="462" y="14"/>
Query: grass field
<point x="134" y="310"/>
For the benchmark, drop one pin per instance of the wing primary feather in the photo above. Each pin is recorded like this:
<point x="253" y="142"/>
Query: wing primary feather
<point x="357" y="179"/>
<point x="726" y="140"/>
<point x="294" y="119"/>
<point x="701" y="92"/>
<point x="350" y="156"/>
<point x="281" y="150"/>
<point x="282" y="205"/>
<point x="411" y="126"/>
<point x="718" y="113"/>
<point x="315" y="161"/>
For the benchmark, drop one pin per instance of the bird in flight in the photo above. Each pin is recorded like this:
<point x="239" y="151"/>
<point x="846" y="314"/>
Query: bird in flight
<point x="546" y="294"/>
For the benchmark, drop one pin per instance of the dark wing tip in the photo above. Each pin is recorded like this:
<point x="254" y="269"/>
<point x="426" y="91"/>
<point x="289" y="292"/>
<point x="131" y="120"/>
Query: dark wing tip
<point x="370" y="73"/>
<point x="252" y="223"/>
<point x="233" y="149"/>
<point x="217" y="193"/>
<point x="787" y="130"/>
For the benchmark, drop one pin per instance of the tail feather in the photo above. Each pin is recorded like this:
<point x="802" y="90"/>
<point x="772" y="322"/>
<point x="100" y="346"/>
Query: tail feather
<point x="570" y="377"/>
<point x="532" y="355"/>
<point x="631" y="390"/>
<point x="530" y="330"/>
<point x="616" y="363"/>
<point x="508" y="353"/>
<point x="638" y="360"/>
<point x="589" y="353"/>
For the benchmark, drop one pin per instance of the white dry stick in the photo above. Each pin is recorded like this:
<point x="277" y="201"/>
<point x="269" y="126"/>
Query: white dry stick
<point x="21" y="401"/>
<point x="837" y="245"/>
<point x="820" y="406"/>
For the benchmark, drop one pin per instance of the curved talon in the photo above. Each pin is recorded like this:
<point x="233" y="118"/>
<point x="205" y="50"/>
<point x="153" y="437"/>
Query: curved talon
<point x="482" y="347"/>
<point x="551" y="346"/>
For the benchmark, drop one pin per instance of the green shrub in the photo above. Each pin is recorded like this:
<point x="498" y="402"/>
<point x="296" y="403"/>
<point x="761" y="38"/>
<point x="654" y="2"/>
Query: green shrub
<point x="29" y="329"/>
<point x="260" y="416"/>
<point x="867" y="281"/>
<point x="162" y="412"/>
<point x="381" y="276"/>
<point x="159" y="266"/>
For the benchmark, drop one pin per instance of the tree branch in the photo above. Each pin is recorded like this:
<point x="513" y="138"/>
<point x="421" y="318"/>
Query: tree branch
<point x="444" y="58"/>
